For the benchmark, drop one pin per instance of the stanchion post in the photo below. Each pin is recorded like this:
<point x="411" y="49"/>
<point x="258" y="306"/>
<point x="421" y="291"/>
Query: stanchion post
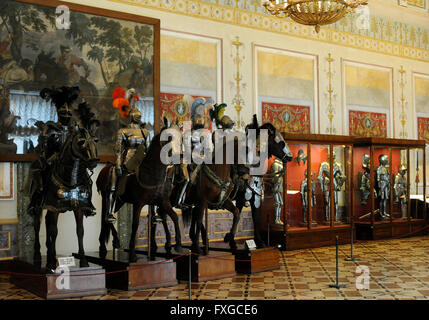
<point x="190" y="275"/>
<point x="351" y="258"/>
<point x="336" y="285"/>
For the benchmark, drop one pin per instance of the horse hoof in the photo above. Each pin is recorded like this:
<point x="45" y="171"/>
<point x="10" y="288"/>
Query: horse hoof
<point x="83" y="263"/>
<point x="227" y="238"/>
<point x="132" y="257"/>
<point x="261" y="245"/>
<point x="178" y="248"/>
<point x="37" y="257"/>
<point x="196" y="249"/>
<point x="116" y="244"/>
<point x="51" y="266"/>
<point x="102" y="253"/>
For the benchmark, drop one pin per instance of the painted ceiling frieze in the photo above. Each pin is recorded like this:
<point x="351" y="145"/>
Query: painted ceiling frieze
<point x="383" y="35"/>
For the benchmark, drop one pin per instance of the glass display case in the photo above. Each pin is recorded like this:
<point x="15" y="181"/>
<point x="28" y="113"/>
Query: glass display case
<point x="389" y="181"/>
<point x="317" y="193"/>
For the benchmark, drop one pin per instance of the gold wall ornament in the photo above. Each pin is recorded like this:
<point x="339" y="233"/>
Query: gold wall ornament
<point x="238" y="101"/>
<point x="403" y="104"/>
<point x="312" y="12"/>
<point x="330" y="110"/>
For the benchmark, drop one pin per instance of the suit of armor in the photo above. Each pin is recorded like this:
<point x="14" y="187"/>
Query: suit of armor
<point x="304" y="196"/>
<point x="365" y="185"/>
<point x="51" y="138"/>
<point x="324" y="183"/>
<point x="197" y="147"/>
<point x="276" y="172"/>
<point x="130" y="149"/>
<point x="401" y="190"/>
<point x="383" y="183"/>
<point x="339" y="179"/>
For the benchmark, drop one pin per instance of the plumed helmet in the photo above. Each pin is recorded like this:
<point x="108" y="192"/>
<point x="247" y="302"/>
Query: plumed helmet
<point x="403" y="168"/>
<point x="197" y="111"/>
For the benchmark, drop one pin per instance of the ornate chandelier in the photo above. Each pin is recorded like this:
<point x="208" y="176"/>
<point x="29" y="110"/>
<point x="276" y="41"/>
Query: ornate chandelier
<point x="312" y="12"/>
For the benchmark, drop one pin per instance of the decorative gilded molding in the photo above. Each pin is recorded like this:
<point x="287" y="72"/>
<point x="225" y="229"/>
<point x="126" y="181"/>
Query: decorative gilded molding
<point x="403" y="103"/>
<point x="238" y="100"/>
<point x="398" y="34"/>
<point x="330" y="110"/>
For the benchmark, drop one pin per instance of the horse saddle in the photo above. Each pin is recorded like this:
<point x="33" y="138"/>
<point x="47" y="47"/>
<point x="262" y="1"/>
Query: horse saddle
<point x="134" y="162"/>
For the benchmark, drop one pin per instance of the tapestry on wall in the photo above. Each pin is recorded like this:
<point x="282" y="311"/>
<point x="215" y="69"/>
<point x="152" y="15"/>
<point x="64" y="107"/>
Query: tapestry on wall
<point x="286" y="117"/>
<point x="177" y="107"/>
<point x="367" y="124"/>
<point x="423" y="128"/>
<point x="97" y="52"/>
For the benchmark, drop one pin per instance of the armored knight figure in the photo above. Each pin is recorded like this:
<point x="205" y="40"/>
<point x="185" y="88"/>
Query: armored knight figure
<point x="52" y="136"/>
<point x="339" y="179"/>
<point x="365" y="185"/>
<point x="197" y="146"/>
<point x="401" y="190"/>
<point x="130" y="149"/>
<point x="276" y="173"/>
<point x="304" y="196"/>
<point x="324" y="179"/>
<point x="383" y="184"/>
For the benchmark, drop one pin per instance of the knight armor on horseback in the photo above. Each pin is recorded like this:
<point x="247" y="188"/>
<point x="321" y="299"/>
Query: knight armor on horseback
<point x="52" y="137"/>
<point x="130" y="147"/>
<point x="189" y="172"/>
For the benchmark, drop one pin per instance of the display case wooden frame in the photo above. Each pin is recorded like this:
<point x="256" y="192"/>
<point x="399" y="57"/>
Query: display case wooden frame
<point x="392" y="227"/>
<point x="309" y="236"/>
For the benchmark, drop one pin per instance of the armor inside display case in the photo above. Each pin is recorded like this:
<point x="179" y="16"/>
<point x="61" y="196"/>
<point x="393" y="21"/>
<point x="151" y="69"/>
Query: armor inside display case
<point x="387" y="200"/>
<point x="316" y="198"/>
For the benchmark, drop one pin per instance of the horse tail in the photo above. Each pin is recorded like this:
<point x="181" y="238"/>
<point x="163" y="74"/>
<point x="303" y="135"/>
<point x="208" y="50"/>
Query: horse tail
<point x="186" y="216"/>
<point x="103" y="179"/>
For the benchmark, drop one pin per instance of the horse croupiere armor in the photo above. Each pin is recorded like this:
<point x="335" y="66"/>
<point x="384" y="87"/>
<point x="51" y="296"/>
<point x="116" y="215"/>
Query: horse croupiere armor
<point x="401" y="190"/>
<point x="130" y="147"/>
<point x="383" y="184"/>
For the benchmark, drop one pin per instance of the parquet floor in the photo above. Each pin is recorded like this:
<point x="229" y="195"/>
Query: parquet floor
<point x="398" y="269"/>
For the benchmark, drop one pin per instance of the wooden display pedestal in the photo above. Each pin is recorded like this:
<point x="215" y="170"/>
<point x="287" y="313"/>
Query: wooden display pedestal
<point x="88" y="281"/>
<point x="215" y="265"/>
<point x="142" y="274"/>
<point x="257" y="260"/>
<point x="251" y="261"/>
<point x="387" y="229"/>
